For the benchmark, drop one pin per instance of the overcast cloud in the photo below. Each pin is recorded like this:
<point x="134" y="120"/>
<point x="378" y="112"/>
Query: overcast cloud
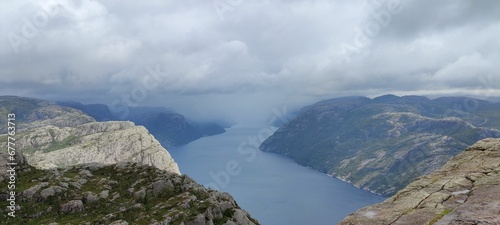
<point x="241" y="58"/>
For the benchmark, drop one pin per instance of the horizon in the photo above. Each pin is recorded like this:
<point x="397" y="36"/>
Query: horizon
<point x="241" y="60"/>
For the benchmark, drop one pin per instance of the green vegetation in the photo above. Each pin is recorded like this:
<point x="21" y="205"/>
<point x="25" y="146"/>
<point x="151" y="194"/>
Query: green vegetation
<point x="67" y="142"/>
<point x="440" y="216"/>
<point x="385" y="143"/>
<point x="183" y="201"/>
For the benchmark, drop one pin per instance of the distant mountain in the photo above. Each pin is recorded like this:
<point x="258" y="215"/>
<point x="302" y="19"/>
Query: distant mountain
<point x="464" y="191"/>
<point x="32" y="112"/>
<point x="382" y="144"/>
<point x="170" y="128"/>
<point x="99" y="112"/>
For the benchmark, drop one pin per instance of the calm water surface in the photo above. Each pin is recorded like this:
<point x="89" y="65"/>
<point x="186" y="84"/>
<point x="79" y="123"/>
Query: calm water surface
<point x="274" y="189"/>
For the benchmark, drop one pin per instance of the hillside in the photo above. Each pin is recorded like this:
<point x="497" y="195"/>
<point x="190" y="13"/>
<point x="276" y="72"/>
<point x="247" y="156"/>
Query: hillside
<point x="170" y="128"/>
<point x="464" y="191"/>
<point x="120" y="194"/>
<point x="32" y="113"/>
<point x="382" y="144"/>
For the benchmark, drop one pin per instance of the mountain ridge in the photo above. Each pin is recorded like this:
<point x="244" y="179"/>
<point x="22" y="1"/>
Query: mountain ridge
<point x="384" y="143"/>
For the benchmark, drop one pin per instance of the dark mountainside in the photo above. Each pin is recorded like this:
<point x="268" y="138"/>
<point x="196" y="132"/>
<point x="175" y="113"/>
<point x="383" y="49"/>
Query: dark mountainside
<point x="126" y="176"/>
<point x="170" y="128"/>
<point x="464" y="191"/>
<point x="382" y="144"/>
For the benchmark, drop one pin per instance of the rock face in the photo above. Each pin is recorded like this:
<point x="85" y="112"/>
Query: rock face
<point x="464" y="191"/>
<point x="53" y="136"/>
<point x="383" y="144"/>
<point x="124" y="193"/>
<point x="97" y="142"/>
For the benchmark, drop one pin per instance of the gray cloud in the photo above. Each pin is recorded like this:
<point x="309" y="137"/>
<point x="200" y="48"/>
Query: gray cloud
<point x="268" y="52"/>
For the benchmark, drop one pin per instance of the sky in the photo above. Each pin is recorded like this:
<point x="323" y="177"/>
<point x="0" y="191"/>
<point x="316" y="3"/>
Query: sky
<point x="243" y="59"/>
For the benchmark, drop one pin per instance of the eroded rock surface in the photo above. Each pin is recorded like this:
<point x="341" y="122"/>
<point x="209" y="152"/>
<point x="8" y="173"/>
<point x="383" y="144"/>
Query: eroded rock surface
<point x="464" y="191"/>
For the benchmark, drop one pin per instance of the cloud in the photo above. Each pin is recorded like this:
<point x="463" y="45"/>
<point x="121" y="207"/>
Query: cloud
<point x="96" y="51"/>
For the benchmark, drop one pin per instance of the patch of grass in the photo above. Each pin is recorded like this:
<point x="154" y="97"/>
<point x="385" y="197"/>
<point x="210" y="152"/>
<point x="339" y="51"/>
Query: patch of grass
<point x="440" y="216"/>
<point x="70" y="140"/>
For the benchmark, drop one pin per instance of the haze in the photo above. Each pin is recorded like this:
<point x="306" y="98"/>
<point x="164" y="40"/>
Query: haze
<point x="241" y="59"/>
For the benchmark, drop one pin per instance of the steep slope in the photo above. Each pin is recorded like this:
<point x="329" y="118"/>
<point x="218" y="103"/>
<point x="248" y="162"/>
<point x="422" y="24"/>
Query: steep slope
<point x="384" y="143"/>
<point x="170" y="128"/>
<point x="116" y="194"/>
<point x="99" y="112"/>
<point x="464" y="191"/>
<point x="97" y="142"/>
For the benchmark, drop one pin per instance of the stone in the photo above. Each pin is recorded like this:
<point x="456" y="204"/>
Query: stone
<point x="47" y="192"/>
<point x="104" y="194"/>
<point x="91" y="198"/>
<point x="161" y="186"/>
<point x="119" y="222"/>
<point x="72" y="206"/>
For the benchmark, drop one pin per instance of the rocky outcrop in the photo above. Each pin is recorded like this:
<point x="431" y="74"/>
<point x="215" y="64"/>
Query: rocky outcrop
<point x="464" y="191"/>
<point x="97" y="142"/>
<point x="124" y="193"/>
<point x="383" y="144"/>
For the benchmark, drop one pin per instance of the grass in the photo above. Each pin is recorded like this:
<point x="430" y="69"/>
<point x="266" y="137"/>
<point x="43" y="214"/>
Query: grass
<point x="440" y="216"/>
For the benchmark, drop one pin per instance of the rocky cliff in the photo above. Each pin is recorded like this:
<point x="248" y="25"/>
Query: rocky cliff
<point x="97" y="142"/>
<point x="120" y="194"/>
<point x="464" y="191"/>
<point x="53" y="136"/>
<point x="382" y="144"/>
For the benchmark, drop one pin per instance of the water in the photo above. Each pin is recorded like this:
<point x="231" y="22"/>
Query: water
<point x="274" y="189"/>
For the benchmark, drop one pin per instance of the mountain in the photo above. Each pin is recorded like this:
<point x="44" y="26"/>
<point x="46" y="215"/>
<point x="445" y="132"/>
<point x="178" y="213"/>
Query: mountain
<point x="99" y="112"/>
<point x="382" y="144"/>
<point x="119" y="194"/>
<point x="464" y="191"/>
<point x="37" y="113"/>
<point x="170" y="128"/>
<point x="73" y="170"/>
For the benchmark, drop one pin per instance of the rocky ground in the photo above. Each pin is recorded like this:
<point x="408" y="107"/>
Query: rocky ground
<point x="464" y="191"/>
<point x="124" y="193"/>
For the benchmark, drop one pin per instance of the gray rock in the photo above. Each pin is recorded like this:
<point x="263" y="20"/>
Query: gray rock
<point x="141" y="194"/>
<point x="161" y="186"/>
<point x="47" y="192"/>
<point x="448" y="196"/>
<point x="91" y="197"/>
<point x="28" y="193"/>
<point x="119" y="222"/>
<point x="72" y="206"/>
<point x="104" y="194"/>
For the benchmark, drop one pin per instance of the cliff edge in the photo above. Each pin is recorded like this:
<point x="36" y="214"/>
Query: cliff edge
<point x="464" y="191"/>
